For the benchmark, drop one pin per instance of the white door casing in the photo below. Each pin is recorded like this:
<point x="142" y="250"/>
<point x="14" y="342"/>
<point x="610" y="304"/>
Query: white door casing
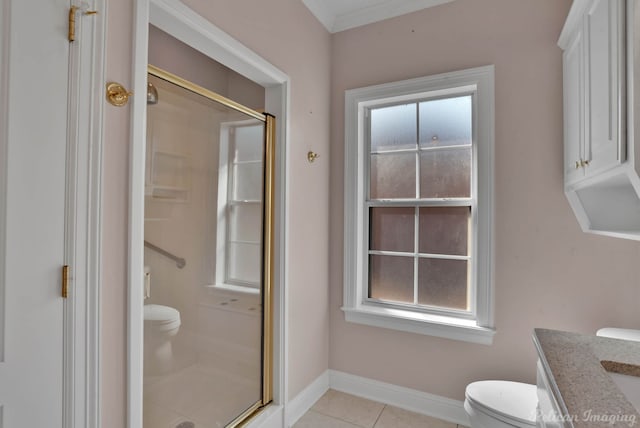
<point x="50" y="157"/>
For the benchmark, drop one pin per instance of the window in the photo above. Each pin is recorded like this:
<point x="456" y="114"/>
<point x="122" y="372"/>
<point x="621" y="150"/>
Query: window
<point x="238" y="263"/>
<point x="418" y="205"/>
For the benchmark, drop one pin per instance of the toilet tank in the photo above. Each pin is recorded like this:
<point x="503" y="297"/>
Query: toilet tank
<point x="620" y="333"/>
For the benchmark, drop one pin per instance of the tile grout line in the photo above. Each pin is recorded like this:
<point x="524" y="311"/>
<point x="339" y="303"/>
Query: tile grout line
<point x="384" y="406"/>
<point x="337" y="418"/>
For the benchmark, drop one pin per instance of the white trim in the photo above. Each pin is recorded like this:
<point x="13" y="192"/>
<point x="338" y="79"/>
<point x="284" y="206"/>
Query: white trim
<point x="413" y="400"/>
<point x="409" y="399"/>
<point x="481" y="81"/>
<point x="302" y="402"/>
<point x="277" y="100"/>
<point x="5" y="37"/>
<point x="382" y="11"/>
<point x="173" y="17"/>
<point x="377" y="12"/>
<point x="83" y="240"/>
<point x="176" y="19"/>
<point x="427" y="324"/>
<point x="137" y="166"/>
<point x="574" y="18"/>
<point x="270" y="417"/>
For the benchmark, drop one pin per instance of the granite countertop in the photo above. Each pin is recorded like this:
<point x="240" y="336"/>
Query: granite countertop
<point x="580" y="383"/>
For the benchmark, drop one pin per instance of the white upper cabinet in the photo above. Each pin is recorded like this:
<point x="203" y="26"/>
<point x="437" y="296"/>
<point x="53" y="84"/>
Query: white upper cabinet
<point x="601" y="159"/>
<point x="605" y="70"/>
<point x="573" y="87"/>
<point x="593" y="67"/>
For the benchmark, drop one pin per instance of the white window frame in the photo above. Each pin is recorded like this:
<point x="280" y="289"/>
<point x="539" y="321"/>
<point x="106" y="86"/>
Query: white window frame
<point x="225" y="171"/>
<point x="477" y="325"/>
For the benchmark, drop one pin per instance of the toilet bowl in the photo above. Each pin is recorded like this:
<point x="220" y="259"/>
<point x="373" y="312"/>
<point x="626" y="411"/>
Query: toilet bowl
<point x="161" y="324"/>
<point x="504" y="404"/>
<point x="501" y="404"/>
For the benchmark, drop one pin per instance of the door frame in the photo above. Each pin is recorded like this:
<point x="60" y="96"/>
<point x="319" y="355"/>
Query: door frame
<point x="184" y="24"/>
<point x="83" y="223"/>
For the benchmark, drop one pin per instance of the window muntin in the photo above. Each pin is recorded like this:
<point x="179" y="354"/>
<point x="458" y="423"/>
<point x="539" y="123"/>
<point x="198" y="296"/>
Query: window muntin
<point x="419" y="252"/>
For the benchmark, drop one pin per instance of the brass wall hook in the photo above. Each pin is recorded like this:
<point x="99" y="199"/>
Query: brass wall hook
<point x="117" y="95"/>
<point x="312" y="156"/>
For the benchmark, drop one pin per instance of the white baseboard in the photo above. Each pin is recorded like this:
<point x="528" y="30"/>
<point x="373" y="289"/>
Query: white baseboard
<point x="306" y="399"/>
<point x="409" y="399"/>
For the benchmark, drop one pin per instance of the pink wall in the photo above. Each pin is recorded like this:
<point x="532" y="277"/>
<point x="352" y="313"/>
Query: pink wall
<point x="548" y="273"/>
<point x="286" y="34"/>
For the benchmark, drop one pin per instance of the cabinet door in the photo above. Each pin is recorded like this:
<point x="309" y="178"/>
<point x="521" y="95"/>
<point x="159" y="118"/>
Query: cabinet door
<point x="603" y="33"/>
<point x="573" y="92"/>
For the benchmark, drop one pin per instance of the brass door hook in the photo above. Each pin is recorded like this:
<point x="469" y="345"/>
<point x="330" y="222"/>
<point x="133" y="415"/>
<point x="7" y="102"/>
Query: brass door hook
<point x="117" y="95"/>
<point x="312" y="156"/>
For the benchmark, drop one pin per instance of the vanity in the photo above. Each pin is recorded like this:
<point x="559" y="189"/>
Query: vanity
<point x="586" y="381"/>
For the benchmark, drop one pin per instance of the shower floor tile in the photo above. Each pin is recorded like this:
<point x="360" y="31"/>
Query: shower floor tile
<point x="159" y="417"/>
<point x="207" y="398"/>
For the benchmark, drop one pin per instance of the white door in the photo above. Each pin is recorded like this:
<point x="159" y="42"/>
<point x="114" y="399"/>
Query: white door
<point x="33" y="142"/>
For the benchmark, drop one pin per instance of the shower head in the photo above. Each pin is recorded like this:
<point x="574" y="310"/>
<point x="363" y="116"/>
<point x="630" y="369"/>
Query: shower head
<point x="152" y="94"/>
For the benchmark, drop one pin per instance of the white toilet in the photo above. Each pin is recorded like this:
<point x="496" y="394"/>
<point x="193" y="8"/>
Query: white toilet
<point x="161" y="324"/>
<point x="501" y="404"/>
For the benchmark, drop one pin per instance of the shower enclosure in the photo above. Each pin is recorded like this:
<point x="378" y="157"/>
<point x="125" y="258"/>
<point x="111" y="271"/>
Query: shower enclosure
<point x="208" y="257"/>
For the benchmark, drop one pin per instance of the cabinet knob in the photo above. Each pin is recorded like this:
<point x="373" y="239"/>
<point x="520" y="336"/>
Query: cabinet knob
<point x="578" y="164"/>
<point x="584" y="163"/>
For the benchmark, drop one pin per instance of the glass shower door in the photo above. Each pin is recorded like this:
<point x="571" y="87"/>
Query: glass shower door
<point x="208" y="249"/>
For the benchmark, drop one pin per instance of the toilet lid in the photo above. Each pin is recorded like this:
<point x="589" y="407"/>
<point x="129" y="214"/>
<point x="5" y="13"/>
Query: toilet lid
<point x="507" y="400"/>
<point x="159" y="314"/>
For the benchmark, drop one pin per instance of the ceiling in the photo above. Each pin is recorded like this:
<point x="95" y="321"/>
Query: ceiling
<point x="339" y="15"/>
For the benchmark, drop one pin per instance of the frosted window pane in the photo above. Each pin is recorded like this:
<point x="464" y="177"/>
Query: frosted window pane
<point x="248" y="182"/>
<point x="445" y="173"/>
<point x="443" y="283"/>
<point x="394" y="127"/>
<point x="249" y="142"/>
<point x="245" y="222"/>
<point x="444" y="230"/>
<point x="244" y="262"/>
<point x="393" y="176"/>
<point x="392" y="229"/>
<point x="445" y="122"/>
<point x="391" y="278"/>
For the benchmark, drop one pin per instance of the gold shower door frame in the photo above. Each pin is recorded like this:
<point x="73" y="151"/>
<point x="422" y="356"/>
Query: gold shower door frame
<point x="268" y="232"/>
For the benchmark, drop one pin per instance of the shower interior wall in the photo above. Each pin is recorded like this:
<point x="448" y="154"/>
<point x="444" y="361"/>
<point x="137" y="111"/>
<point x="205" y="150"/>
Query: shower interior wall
<point x="216" y="327"/>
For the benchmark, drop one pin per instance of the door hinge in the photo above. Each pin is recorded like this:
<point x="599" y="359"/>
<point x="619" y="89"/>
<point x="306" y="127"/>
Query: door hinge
<point x="72" y="20"/>
<point x="65" y="281"/>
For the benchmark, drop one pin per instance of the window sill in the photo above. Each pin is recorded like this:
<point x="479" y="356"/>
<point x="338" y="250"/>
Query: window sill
<point x="234" y="288"/>
<point x="427" y="324"/>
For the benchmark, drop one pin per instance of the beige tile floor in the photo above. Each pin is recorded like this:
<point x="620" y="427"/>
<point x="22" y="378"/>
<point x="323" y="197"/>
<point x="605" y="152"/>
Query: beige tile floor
<point x="339" y="410"/>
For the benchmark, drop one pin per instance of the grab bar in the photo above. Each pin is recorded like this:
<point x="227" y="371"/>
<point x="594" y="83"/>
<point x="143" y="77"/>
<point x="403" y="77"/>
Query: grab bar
<point x="180" y="262"/>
